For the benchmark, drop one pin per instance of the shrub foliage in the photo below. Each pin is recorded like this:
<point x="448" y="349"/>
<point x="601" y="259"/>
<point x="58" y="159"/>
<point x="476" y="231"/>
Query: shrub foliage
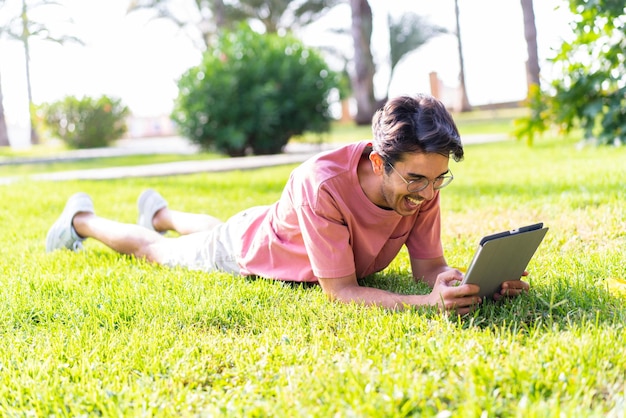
<point x="87" y="122"/>
<point x="253" y="92"/>
<point x="591" y="93"/>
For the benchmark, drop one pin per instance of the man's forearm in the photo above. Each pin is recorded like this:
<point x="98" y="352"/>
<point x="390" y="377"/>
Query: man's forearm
<point x="427" y="270"/>
<point x="377" y="297"/>
<point x="347" y="290"/>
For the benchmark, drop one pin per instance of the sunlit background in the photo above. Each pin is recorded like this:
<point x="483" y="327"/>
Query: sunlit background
<point x="139" y="59"/>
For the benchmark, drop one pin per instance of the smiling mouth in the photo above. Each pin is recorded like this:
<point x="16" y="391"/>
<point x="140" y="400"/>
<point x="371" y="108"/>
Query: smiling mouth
<point x="413" y="201"/>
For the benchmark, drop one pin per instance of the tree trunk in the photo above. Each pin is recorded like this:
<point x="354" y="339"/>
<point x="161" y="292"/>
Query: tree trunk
<point x="363" y="77"/>
<point x="218" y="10"/>
<point x="34" y="138"/>
<point x="219" y="19"/>
<point x="4" y="133"/>
<point x="464" y="104"/>
<point x="530" y="32"/>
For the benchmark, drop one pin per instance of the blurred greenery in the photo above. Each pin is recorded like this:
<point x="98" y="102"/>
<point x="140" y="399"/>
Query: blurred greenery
<point x="475" y="124"/>
<point x="85" y="122"/>
<point x="253" y="92"/>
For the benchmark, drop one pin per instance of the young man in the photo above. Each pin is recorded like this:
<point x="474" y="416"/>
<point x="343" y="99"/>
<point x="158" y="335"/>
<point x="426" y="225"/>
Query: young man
<point x="343" y="215"/>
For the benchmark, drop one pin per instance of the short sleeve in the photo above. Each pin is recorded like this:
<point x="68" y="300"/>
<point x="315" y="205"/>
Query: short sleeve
<point x="326" y="237"/>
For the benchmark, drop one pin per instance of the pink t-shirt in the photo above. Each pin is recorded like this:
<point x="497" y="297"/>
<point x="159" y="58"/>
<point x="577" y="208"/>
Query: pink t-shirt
<point x="325" y="226"/>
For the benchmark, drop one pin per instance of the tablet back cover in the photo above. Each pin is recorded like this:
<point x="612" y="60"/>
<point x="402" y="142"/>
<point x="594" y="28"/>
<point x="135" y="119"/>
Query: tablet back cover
<point x="503" y="259"/>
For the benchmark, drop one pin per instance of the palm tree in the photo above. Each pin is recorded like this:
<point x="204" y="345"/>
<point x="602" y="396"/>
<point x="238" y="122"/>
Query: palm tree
<point x="203" y="17"/>
<point x="464" y="105"/>
<point x="407" y="34"/>
<point x="4" y="134"/>
<point x="530" y="33"/>
<point x="209" y="16"/>
<point x="22" y="28"/>
<point x="24" y="37"/>
<point x="276" y="15"/>
<point x="364" y="68"/>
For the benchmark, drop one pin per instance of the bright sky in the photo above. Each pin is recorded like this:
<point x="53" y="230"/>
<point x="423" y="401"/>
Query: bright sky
<point x="139" y="60"/>
<point x="494" y="47"/>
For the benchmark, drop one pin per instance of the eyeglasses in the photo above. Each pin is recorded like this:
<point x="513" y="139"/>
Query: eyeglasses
<point x="421" y="183"/>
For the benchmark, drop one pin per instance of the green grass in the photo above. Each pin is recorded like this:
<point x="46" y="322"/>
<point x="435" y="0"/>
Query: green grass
<point x="96" y="333"/>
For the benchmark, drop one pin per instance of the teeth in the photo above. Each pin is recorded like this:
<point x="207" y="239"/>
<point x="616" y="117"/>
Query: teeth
<point x="413" y="200"/>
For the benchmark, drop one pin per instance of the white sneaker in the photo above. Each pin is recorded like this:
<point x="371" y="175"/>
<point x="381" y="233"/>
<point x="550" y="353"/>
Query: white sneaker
<point x="62" y="234"/>
<point x="148" y="204"/>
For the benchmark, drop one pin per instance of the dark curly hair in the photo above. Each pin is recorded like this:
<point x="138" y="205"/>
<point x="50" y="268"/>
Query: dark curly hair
<point x="419" y="124"/>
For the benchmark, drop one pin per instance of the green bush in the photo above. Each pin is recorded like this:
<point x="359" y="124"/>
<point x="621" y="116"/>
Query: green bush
<point x="254" y="92"/>
<point x="86" y="122"/>
<point x="590" y="92"/>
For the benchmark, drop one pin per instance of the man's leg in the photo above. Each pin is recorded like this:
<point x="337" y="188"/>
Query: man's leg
<point x="183" y="222"/>
<point x="154" y="214"/>
<point x="79" y="221"/>
<point x="122" y="237"/>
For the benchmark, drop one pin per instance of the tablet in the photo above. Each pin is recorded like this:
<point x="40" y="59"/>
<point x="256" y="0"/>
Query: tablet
<point x="503" y="257"/>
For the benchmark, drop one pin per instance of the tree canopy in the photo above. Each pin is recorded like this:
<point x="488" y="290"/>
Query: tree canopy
<point x="210" y="16"/>
<point x="408" y="33"/>
<point x="591" y="92"/>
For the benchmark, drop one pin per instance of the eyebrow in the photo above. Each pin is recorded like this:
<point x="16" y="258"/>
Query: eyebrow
<point x="416" y="176"/>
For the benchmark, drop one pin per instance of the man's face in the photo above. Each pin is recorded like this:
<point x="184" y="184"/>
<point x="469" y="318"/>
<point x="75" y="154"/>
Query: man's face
<point x="414" y="167"/>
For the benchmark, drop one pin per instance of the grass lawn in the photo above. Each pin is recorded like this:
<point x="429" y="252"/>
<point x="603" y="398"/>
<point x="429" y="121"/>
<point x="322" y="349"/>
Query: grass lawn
<point x="96" y="333"/>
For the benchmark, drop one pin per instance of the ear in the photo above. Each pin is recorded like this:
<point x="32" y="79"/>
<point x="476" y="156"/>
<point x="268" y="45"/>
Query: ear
<point x="378" y="163"/>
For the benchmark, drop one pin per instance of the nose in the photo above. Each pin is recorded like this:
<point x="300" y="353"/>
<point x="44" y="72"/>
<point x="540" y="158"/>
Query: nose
<point x="428" y="193"/>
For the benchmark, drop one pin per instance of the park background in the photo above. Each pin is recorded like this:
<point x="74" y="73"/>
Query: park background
<point x="99" y="334"/>
<point x="139" y="59"/>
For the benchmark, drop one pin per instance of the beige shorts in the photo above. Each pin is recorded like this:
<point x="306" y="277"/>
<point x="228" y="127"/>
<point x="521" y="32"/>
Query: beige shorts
<point x="214" y="250"/>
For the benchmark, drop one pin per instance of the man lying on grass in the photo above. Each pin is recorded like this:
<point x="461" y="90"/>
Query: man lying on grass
<point x="343" y="215"/>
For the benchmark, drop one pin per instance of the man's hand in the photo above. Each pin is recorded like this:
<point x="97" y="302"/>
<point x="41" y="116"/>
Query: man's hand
<point x="512" y="289"/>
<point x="447" y="295"/>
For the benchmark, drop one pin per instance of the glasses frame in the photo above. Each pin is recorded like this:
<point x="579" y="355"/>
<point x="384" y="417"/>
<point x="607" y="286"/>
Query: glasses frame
<point x="447" y="179"/>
